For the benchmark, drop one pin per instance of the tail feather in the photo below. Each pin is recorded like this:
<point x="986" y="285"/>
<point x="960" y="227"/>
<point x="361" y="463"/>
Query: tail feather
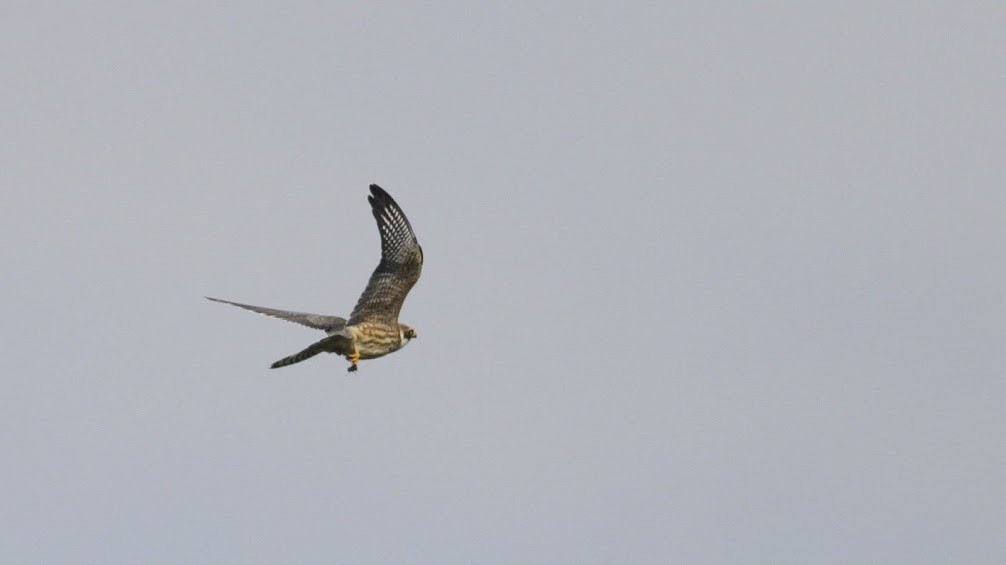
<point x="298" y="357"/>
<point x="337" y="343"/>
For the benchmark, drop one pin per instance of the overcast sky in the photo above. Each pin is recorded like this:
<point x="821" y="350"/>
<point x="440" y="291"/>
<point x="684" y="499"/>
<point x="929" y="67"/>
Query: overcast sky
<point x="704" y="282"/>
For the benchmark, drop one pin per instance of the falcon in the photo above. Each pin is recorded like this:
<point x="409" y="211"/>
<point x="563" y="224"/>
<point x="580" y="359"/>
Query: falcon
<point x="373" y="329"/>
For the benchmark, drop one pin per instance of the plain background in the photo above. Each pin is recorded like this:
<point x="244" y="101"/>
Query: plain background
<point x="704" y="282"/>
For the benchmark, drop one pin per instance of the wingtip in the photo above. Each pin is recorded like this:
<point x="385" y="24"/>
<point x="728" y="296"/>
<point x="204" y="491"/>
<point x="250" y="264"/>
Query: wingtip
<point x="378" y="198"/>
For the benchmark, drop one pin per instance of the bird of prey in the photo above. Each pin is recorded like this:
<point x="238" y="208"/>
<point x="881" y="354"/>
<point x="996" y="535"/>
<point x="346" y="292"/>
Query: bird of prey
<point x="373" y="329"/>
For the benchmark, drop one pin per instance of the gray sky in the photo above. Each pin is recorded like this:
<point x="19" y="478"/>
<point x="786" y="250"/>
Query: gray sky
<point x="704" y="283"/>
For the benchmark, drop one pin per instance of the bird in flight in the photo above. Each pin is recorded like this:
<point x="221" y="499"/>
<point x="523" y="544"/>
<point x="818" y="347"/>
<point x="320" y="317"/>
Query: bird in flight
<point x="373" y="329"/>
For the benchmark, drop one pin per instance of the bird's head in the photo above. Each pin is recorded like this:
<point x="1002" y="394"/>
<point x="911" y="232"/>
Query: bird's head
<point x="406" y="333"/>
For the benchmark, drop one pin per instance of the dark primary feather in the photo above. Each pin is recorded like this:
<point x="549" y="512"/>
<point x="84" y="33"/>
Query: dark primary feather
<point x="400" y="266"/>
<point x="316" y="321"/>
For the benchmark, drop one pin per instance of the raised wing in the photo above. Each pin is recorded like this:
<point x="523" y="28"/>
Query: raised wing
<point x="400" y="266"/>
<point x="328" y="324"/>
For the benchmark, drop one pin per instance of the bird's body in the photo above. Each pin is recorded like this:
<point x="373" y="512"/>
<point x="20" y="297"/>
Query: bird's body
<point x="377" y="340"/>
<point x="373" y="329"/>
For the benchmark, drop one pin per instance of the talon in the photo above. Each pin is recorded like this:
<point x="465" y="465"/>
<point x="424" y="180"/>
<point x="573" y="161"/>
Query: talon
<point x="354" y="358"/>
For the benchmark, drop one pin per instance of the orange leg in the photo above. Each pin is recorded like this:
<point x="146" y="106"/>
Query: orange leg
<point x="354" y="358"/>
